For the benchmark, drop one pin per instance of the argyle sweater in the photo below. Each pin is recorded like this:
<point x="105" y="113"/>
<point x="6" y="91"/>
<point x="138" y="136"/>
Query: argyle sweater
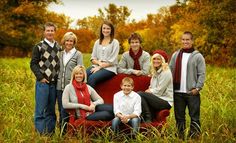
<point x="45" y="61"/>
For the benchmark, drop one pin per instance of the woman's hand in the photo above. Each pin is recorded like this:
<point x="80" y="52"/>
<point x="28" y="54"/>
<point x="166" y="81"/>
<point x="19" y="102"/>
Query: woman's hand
<point x="148" y="91"/>
<point x="95" y="69"/>
<point x="137" y="72"/>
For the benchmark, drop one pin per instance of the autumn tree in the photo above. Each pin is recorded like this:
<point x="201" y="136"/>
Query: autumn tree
<point x="22" y="22"/>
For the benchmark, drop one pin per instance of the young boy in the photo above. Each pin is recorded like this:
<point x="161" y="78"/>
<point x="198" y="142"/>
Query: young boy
<point x="127" y="106"/>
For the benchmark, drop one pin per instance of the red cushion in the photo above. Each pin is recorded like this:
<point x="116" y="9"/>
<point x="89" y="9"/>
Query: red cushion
<point x="108" y="88"/>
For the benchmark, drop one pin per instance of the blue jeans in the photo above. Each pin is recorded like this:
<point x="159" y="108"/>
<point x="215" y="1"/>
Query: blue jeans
<point x="134" y="123"/>
<point x="99" y="76"/>
<point x="181" y="101"/>
<point x="63" y="115"/>
<point x="45" y="100"/>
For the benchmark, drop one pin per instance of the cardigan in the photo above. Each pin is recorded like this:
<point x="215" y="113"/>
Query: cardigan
<point x="161" y="85"/>
<point x="108" y="53"/>
<point x="64" y="75"/>
<point x="70" y="100"/>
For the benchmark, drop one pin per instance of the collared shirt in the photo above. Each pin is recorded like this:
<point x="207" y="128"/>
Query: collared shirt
<point x="67" y="55"/>
<point x="51" y="44"/>
<point x="127" y="104"/>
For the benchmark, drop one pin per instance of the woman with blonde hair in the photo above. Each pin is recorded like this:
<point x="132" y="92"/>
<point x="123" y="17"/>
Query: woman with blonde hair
<point x="159" y="95"/>
<point x="84" y="99"/>
<point x="70" y="57"/>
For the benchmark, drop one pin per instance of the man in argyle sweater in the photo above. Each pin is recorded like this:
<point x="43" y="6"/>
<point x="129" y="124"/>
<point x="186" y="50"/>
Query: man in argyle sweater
<point x="45" y="66"/>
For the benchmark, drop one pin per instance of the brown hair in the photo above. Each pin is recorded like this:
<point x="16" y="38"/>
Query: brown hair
<point x="135" y="36"/>
<point x="109" y="23"/>
<point x="49" y="24"/>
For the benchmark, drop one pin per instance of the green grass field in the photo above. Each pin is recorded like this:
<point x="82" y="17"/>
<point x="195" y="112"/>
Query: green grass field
<point x="218" y="109"/>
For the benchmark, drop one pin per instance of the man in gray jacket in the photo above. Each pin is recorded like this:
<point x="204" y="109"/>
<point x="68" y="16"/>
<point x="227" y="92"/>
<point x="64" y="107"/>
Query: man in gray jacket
<point x="188" y="69"/>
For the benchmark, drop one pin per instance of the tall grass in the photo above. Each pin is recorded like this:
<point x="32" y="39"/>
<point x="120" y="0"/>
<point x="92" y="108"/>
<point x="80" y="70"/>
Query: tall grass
<point x="218" y="110"/>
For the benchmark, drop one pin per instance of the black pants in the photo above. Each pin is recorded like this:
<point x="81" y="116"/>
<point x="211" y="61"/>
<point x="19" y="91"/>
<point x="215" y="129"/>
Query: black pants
<point x="181" y="101"/>
<point x="103" y="112"/>
<point x="152" y="104"/>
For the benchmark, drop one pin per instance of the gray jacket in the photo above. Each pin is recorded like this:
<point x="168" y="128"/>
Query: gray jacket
<point x="65" y="71"/>
<point x="196" y="69"/>
<point x="161" y="85"/>
<point x="70" y="100"/>
<point x="126" y="63"/>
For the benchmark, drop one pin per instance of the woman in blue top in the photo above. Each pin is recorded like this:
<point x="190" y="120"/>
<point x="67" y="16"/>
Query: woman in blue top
<point x="104" y="57"/>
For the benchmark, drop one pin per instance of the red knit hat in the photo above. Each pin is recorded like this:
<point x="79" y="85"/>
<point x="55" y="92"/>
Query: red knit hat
<point x="162" y="53"/>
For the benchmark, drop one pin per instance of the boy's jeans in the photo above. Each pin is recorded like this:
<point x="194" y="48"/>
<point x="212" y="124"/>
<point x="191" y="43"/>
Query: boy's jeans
<point x="45" y="99"/>
<point x="134" y="122"/>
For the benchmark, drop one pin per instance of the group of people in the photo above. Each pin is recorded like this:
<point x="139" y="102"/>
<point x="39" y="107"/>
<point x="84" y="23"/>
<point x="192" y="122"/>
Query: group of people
<point x="60" y="75"/>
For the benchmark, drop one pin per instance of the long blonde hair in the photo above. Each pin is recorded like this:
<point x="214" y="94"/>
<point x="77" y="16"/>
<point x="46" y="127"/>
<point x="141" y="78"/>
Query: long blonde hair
<point x="164" y="65"/>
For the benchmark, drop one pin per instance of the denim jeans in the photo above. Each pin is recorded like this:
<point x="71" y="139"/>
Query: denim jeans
<point x="134" y="123"/>
<point x="63" y="115"/>
<point x="99" y="76"/>
<point x="181" y="101"/>
<point x="103" y="112"/>
<point x="45" y="99"/>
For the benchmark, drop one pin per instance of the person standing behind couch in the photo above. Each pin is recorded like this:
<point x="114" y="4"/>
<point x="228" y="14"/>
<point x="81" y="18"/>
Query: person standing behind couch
<point x="104" y="57"/>
<point x="159" y="95"/>
<point x="70" y="58"/>
<point x="189" y="69"/>
<point x="135" y="61"/>
<point x="45" y="66"/>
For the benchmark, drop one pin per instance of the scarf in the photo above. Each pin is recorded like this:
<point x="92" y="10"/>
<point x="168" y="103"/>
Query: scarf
<point x="135" y="58"/>
<point x="83" y="95"/>
<point x="178" y="65"/>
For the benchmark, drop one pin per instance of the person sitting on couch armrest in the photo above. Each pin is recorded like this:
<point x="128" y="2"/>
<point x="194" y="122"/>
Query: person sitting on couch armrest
<point x="136" y="61"/>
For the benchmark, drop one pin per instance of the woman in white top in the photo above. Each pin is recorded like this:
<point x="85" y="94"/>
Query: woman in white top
<point x="104" y="57"/>
<point x="159" y="95"/>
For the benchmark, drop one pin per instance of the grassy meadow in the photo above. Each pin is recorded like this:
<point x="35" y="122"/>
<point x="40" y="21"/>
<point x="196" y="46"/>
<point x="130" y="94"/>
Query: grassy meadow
<point x="17" y="82"/>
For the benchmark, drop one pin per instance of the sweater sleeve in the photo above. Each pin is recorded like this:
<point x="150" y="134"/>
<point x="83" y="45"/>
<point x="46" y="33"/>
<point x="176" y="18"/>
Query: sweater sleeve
<point x="34" y="63"/>
<point x="96" y="99"/>
<point x="201" y="72"/>
<point x="146" y="64"/>
<point x="114" y="54"/>
<point x="123" y="68"/>
<point x="80" y="59"/>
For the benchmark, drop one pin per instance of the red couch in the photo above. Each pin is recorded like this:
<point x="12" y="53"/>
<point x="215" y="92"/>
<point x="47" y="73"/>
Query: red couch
<point x="107" y="89"/>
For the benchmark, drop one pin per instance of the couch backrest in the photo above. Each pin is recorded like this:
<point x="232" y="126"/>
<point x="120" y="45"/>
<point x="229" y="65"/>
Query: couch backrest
<point x="108" y="88"/>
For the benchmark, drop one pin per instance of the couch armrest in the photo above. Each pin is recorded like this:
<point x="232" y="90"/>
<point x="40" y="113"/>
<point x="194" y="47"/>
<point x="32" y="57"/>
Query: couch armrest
<point x="162" y="115"/>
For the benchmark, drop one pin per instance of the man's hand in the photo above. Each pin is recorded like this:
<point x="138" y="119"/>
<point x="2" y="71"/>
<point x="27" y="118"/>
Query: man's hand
<point x="194" y="92"/>
<point x="44" y="80"/>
